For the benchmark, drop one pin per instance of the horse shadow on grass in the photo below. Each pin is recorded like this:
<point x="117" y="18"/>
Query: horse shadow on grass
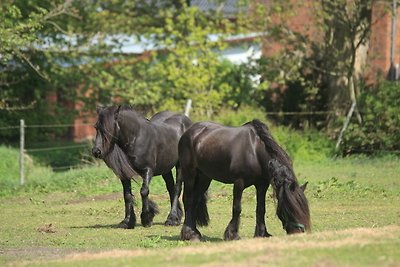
<point x="175" y="238"/>
<point x="110" y="226"/>
<point x="169" y="238"/>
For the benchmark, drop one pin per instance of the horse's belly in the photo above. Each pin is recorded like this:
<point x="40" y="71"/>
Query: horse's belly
<point x="230" y="169"/>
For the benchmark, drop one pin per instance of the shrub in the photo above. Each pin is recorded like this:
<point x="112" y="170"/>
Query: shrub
<point x="380" y="109"/>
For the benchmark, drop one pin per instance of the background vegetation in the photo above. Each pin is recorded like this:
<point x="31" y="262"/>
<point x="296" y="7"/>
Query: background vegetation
<point x="74" y="51"/>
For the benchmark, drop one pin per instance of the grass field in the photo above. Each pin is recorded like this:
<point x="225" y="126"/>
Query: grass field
<point x="70" y="219"/>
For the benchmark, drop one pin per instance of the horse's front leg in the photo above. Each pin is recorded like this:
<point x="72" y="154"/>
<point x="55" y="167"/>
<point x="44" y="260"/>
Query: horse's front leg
<point x="261" y="229"/>
<point x="175" y="215"/>
<point x="130" y="218"/>
<point x="232" y="230"/>
<point x="149" y="208"/>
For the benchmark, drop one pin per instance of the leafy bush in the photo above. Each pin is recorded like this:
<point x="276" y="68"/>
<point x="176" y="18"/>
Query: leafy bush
<point x="244" y="114"/>
<point x="380" y="109"/>
<point x="303" y="145"/>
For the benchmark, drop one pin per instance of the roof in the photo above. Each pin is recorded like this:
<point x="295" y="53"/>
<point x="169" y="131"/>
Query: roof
<point x="228" y="7"/>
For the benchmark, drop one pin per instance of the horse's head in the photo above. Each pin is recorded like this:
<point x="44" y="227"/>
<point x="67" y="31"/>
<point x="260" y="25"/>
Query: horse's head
<point x="292" y="208"/>
<point x="106" y="131"/>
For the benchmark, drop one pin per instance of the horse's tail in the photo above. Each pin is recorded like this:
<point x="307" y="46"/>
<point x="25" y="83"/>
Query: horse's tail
<point x="118" y="162"/>
<point x="292" y="208"/>
<point x="202" y="217"/>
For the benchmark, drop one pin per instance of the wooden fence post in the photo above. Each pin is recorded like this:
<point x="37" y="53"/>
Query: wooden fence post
<point x="21" y="151"/>
<point x="188" y="107"/>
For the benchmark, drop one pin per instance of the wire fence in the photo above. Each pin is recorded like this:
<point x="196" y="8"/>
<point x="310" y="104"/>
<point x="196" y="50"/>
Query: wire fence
<point x="25" y="151"/>
<point x="89" y="161"/>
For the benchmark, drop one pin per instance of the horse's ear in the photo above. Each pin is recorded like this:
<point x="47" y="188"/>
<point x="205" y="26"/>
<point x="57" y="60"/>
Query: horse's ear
<point x="116" y="112"/>
<point x="292" y="186"/>
<point x="270" y="165"/>
<point x="99" y="109"/>
<point x="304" y="186"/>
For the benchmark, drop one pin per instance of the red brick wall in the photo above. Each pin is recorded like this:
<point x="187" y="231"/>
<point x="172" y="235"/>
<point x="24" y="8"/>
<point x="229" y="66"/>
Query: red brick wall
<point x="83" y="124"/>
<point x="300" y="18"/>
<point x="379" y="46"/>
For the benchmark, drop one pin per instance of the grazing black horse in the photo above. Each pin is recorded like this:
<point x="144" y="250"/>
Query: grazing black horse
<point x="131" y="144"/>
<point x="242" y="156"/>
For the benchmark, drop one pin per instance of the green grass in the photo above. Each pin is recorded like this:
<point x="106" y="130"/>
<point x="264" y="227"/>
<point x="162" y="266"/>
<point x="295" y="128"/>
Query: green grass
<point x="353" y="203"/>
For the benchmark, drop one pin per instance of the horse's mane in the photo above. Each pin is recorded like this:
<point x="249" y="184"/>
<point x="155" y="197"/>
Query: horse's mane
<point x="116" y="159"/>
<point x="272" y="147"/>
<point x="118" y="162"/>
<point x="292" y="204"/>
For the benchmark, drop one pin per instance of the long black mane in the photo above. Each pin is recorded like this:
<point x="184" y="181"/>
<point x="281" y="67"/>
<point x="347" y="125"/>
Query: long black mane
<point x="272" y="147"/>
<point x="292" y="203"/>
<point x="119" y="163"/>
<point x="115" y="159"/>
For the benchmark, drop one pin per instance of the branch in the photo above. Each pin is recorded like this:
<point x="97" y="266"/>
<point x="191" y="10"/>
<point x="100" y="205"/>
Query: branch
<point x="59" y="10"/>
<point x="58" y="27"/>
<point x="4" y="106"/>
<point x="44" y="76"/>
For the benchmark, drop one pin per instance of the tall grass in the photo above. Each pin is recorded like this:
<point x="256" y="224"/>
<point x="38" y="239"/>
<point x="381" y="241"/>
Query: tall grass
<point x="42" y="179"/>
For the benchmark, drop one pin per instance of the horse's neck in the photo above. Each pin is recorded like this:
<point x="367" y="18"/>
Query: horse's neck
<point x="136" y="121"/>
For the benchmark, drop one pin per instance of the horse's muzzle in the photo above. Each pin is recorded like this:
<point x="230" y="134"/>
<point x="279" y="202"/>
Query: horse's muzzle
<point x="96" y="152"/>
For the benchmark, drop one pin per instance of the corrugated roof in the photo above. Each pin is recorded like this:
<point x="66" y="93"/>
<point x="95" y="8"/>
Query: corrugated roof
<point x="226" y="7"/>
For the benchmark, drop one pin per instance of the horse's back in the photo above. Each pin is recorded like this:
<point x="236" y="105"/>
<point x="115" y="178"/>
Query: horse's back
<point x="222" y="152"/>
<point x="178" y="121"/>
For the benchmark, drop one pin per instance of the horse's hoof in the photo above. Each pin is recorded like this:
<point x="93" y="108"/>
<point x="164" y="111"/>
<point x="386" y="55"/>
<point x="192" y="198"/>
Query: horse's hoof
<point x="230" y="235"/>
<point x="172" y="221"/>
<point x="123" y="225"/>
<point x="147" y="219"/>
<point x="187" y="234"/>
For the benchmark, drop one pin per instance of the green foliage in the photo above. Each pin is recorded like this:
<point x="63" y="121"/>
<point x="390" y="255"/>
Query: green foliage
<point x="187" y="67"/>
<point x="9" y="171"/>
<point x="238" y="117"/>
<point x="41" y="179"/>
<point x="9" y="166"/>
<point x="315" y="67"/>
<point x="379" y="132"/>
<point x="332" y="187"/>
<point x="304" y="145"/>
<point x="71" y="154"/>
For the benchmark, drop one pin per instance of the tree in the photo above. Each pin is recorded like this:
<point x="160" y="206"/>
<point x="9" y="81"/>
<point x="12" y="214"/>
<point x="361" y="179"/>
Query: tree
<point x="321" y="62"/>
<point x="73" y="51"/>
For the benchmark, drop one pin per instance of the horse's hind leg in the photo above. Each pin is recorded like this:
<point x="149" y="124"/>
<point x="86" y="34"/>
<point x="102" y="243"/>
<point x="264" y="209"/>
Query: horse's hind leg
<point x="175" y="215"/>
<point x="232" y="230"/>
<point x="189" y="230"/>
<point x="200" y="196"/>
<point x="261" y="229"/>
<point x="130" y="219"/>
<point x="149" y="208"/>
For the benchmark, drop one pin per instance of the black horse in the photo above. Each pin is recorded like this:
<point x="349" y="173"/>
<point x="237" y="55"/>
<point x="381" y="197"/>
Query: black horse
<point x="131" y="144"/>
<point x="242" y="156"/>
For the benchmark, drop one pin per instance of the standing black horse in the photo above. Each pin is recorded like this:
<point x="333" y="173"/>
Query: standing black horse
<point x="129" y="144"/>
<point x="242" y="156"/>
